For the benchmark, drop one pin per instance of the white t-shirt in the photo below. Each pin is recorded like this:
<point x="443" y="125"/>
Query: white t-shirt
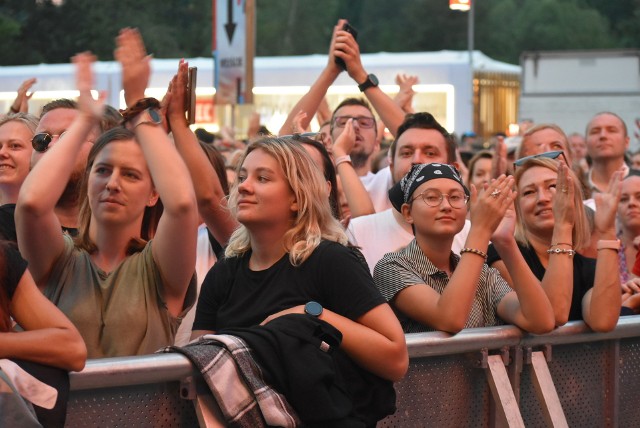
<point x="378" y="185"/>
<point x="205" y="258"/>
<point x="380" y="233"/>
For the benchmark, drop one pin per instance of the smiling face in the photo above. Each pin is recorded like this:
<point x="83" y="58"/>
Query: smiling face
<point x="119" y="185"/>
<point x="15" y="157"/>
<point x="629" y="207"/>
<point x="536" y="189"/>
<point x="265" y="197"/>
<point x="442" y="221"/>
<point x="417" y="146"/>
<point x="481" y="173"/>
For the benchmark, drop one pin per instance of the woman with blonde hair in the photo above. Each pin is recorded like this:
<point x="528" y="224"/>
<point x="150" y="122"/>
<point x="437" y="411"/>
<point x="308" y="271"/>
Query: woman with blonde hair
<point x="290" y="256"/>
<point x="552" y="226"/>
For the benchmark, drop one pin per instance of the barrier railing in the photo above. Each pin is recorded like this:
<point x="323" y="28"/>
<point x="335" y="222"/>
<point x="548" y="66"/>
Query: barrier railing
<point x="496" y="376"/>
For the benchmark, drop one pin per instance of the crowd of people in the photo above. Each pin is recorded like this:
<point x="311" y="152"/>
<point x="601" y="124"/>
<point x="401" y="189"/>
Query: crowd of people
<point x="126" y="232"/>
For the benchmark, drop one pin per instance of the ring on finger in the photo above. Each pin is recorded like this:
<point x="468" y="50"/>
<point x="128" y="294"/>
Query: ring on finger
<point x="495" y="193"/>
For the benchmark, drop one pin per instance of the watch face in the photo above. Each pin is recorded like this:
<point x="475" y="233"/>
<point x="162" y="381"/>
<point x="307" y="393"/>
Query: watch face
<point x="373" y="79"/>
<point x="313" y="308"/>
<point x="154" y="115"/>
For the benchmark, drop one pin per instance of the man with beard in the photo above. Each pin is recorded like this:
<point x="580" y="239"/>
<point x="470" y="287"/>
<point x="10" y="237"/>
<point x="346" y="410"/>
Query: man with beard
<point x="55" y="118"/>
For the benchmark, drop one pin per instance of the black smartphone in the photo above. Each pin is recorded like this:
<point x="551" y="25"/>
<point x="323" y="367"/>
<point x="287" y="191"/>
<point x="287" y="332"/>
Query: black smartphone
<point x="349" y="29"/>
<point x="190" y="102"/>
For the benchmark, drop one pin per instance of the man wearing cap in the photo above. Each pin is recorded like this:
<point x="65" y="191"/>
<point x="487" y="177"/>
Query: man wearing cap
<point x="420" y="140"/>
<point x="429" y="286"/>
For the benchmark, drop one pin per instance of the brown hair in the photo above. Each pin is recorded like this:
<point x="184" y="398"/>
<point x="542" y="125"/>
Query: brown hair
<point x="151" y="214"/>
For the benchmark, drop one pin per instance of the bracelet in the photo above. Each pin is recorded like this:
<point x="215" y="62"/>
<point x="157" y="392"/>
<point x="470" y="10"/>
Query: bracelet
<point x="571" y="253"/>
<point x="560" y="243"/>
<point x="474" y="251"/>
<point x="342" y="159"/>
<point x="611" y="244"/>
<point x="138" y="108"/>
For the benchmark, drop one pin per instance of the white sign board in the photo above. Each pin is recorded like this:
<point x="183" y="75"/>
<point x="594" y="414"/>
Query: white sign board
<point x="229" y="51"/>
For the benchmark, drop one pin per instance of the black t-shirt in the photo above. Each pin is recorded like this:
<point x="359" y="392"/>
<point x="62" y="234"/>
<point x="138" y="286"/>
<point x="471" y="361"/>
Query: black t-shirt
<point x="584" y="273"/>
<point x="15" y="266"/>
<point x="7" y="223"/>
<point x="232" y="295"/>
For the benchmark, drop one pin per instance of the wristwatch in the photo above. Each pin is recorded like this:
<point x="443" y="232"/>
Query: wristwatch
<point x="149" y="116"/>
<point x="313" y="308"/>
<point x="371" y="82"/>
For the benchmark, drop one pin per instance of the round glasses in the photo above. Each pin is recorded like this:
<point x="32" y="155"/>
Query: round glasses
<point x="433" y="198"/>
<point x="41" y="141"/>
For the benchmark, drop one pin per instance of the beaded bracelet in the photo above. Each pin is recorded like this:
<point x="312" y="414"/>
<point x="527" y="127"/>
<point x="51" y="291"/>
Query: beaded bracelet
<point x="571" y="253"/>
<point x="474" y="251"/>
<point x="342" y="159"/>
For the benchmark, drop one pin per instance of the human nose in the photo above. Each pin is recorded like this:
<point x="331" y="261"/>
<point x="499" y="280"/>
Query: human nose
<point x="113" y="183"/>
<point x="418" y="158"/>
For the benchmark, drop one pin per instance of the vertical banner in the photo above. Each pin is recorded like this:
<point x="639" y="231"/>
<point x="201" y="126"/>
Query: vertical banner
<point x="230" y="31"/>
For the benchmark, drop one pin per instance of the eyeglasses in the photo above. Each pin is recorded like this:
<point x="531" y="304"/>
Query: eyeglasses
<point x="549" y="155"/>
<point x="363" y="121"/>
<point x="433" y="198"/>
<point x="41" y="141"/>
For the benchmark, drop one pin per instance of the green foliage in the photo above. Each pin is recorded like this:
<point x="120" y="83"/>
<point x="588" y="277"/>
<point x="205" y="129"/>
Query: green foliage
<point x="35" y="31"/>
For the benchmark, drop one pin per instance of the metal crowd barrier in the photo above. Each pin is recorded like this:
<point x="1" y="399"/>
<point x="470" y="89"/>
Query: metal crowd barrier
<point x="496" y="376"/>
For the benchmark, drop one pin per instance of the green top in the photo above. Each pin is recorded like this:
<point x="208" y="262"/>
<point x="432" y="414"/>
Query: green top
<point x="122" y="313"/>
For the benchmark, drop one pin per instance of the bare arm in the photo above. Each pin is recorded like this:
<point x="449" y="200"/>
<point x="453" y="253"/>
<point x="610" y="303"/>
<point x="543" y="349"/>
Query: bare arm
<point x="450" y="310"/>
<point x="528" y="307"/>
<point x="212" y="203"/>
<point x="357" y="196"/>
<point x="312" y="100"/>
<point x="43" y="324"/>
<point x="347" y="48"/>
<point x="601" y="304"/>
<point x="174" y="244"/>
<point x="375" y="340"/>
<point x="39" y="234"/>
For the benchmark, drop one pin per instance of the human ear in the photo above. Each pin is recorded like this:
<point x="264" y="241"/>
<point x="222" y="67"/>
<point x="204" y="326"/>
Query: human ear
<point x="153" y="198"/>
<point x="406" y="213"/>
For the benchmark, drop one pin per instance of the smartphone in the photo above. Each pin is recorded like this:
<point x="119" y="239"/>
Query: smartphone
<point x="349" y="29"/>
<point x="190" y="102"/>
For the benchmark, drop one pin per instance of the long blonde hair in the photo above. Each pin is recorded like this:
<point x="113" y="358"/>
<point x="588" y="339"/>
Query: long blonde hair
<point x="581" y="234"/>
<point x="312" y="222"/>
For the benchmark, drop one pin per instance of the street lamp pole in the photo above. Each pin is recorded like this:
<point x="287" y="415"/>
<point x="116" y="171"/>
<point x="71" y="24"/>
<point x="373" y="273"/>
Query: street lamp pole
<point x="467" y="6"/>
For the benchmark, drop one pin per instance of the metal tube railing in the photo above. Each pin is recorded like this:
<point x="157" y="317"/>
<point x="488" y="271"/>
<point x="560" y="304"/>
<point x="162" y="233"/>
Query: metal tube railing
<point x="121" y="371"/>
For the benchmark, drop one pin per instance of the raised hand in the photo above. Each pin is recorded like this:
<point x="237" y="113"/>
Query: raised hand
<point x="346" y="47"/>
<point x="346" y="140"/>
<point x="84" y="82"/>
<point x="563" y="201"/>
<point x="499" y="159"/>
<point x="406" y="92"/>
<point x="21" y="103"/>
<point x="136" y="64"/>
<point x="607" y="205"/>
<point x="489" y="207"/>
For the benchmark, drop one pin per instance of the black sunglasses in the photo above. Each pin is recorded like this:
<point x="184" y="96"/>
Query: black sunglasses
<point x="549" y="155"/>
<point x="41" y="141"/>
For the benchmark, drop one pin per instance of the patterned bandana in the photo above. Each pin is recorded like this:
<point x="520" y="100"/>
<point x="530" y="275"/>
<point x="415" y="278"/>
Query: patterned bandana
<point x="401" y="192"/>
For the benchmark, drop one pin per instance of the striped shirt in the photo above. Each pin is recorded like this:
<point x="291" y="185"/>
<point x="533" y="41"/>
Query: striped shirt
<point x="409" y="266"/>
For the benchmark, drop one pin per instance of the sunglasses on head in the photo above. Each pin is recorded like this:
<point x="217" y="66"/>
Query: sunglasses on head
<point x="41" y="141"/>
<point x="317" y="136"/>
<point x="549" y="155"/>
